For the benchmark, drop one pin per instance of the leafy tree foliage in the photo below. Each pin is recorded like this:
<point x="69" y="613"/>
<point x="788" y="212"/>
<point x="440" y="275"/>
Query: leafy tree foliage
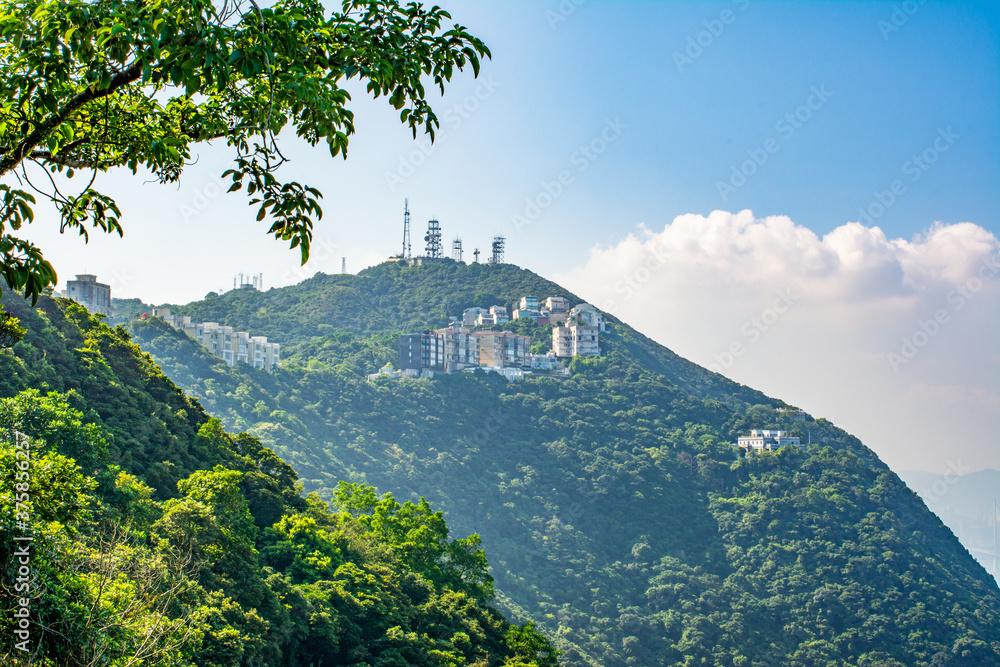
<point x="422" y="540"/>
<point x="90" y="86"/>
<point x="10" y="330"/>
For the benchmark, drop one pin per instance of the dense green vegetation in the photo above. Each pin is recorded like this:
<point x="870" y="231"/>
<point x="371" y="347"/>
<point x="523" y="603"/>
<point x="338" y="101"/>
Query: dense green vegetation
<point x="613" y="511"/>
<point x="161" y="539"/>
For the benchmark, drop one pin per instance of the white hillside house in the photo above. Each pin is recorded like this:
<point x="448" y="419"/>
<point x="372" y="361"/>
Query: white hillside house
<point x="768" y="440"/>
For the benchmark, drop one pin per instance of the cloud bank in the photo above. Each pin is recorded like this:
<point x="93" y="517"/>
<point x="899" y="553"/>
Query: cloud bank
<point x="896" y="340"/>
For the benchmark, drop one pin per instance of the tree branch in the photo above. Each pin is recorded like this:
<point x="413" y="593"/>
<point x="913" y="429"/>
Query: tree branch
<point x="123" y="78"/>
<point x="46" y="156"/>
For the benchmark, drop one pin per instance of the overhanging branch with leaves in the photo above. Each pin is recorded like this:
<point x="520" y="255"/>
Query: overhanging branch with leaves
<point x="94" y="85"/>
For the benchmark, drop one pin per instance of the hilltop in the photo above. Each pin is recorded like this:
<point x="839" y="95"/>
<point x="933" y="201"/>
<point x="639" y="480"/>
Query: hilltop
<point x="310" y="319"/>
<point x="614" y="510"/>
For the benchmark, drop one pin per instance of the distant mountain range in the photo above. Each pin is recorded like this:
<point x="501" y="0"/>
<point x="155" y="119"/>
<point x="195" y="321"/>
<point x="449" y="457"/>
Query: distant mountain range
<point x="612" y="506"/>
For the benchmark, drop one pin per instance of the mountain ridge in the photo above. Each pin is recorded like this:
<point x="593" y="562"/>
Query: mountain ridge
<point x="344" y="295"/>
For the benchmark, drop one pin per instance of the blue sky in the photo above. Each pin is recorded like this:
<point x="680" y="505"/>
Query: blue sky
<point x="823" y="106"/>
<point x="891" y="93"/>
<point x="558" y="76"/>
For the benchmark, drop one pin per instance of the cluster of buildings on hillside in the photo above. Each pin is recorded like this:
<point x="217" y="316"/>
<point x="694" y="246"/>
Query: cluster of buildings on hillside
<point x="764" y="439"/>
<point x="230" y="346"/>
<point x="457" y="348"/>
<point x="86" y="291"/>
<point x="454" y="348"/>
<point x="554" y="309"/>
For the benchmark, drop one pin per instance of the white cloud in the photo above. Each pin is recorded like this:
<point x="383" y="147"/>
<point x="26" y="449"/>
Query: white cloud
<point x="896" y="339"/>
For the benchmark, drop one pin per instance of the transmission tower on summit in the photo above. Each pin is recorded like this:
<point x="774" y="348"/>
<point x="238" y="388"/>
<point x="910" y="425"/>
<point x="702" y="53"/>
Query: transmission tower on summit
<point x="476" y="253"/>
<point x="433" y="239"/>
<point x="456" y="249"/>
<point x="498" y="248"/>
<point x="406" y="230"/>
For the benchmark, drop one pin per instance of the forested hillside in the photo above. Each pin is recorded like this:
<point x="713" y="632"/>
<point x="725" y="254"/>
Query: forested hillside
<point x="614" y="511"/>
<point x="158" y="538"/>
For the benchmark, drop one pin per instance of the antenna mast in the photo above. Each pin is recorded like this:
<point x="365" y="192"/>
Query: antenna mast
<point x="498" y="250"/>
<point x="406" y="230"/>
<point x="476" y="253"/>
<point x="433" y="239"/>
<point x="456" y="249"/>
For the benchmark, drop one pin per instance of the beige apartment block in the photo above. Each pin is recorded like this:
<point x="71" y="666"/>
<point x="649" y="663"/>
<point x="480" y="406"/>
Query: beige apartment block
<point x="230" y="346"/>
<point x="502" y="349"/>
<point x="461" y="349"/>
<point x="556" y="304"/>
<point x="470" y="316"/>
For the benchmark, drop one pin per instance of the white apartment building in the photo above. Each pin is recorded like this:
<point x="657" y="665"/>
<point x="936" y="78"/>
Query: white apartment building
<point x="92" y="295"/>
<point x="767" y="440"/>
<point x="576" y="340"/>
<point x="529" y="303"/>
<point x="588" y="315"/>
<point x="230" y="346"/>
<point x="543" y="362"/>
